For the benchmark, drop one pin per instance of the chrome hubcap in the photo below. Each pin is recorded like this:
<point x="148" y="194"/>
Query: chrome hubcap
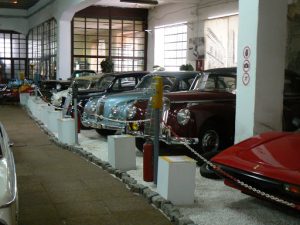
<point x="210" y="141"/>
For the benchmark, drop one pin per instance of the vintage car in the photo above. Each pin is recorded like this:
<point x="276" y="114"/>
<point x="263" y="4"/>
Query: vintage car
<point x="8" y="182"/>
<point x="203" y="116"/>
<point x="48" y="87"/>
<point x="83" y="83"/>
<point x="82" y="73"/>
<point x="268" y="162"/>
<point x="109" y="83"/>
<point x="118" y="106"/>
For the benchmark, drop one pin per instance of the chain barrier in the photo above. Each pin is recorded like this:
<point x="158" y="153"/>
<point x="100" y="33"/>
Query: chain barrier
<point x="121" y="121"/>
<point x="45" y="100"/>
<point x="241" y="183"/>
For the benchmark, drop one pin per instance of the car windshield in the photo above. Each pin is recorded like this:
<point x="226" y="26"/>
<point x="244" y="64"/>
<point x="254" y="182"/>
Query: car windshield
<point x="215" y="82"/>
<point x="83" y="84"/>
<point x="104" y="82"/>
<point x="147" y="81"/>
<point x="83" y="73"/>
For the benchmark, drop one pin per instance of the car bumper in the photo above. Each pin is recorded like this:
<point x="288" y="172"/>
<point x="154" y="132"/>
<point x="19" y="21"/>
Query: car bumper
<point x="165" y="136"/>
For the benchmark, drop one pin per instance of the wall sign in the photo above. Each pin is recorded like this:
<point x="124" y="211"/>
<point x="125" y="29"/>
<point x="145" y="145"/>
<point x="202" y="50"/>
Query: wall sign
<point x="246" y="65"/>
<point x="246" y="79"/>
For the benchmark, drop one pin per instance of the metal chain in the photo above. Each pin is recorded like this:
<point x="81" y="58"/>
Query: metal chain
<point x="122" y="121"/>
<point x="241" y="183"/>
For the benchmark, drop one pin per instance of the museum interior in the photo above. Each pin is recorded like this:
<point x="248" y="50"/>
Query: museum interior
<point x="149" y="112"/>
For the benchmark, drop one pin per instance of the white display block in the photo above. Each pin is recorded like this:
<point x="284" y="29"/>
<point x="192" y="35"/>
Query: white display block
<point x="121" y="152"/>
<point x="44" y="114"/>
<point x="176" y="179"/>
<point x="24" y="98"/>
<point x="66" y="130"/>
<point x="52" y="122"/>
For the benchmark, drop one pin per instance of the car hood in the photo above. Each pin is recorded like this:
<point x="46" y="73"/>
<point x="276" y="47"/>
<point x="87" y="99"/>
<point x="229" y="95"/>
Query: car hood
<point x="127" y="96"/>
<point x="273" y="154"/>
<point x="189" y="96"/>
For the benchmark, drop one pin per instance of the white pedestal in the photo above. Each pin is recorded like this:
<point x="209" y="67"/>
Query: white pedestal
<point x="53" y="116"/>
<point x="176" y="179"/>
<point x="121" y="152"/>
<point x="44" y="114"/>
<point x="66" y="130"/>
<point x="24" y="98"/>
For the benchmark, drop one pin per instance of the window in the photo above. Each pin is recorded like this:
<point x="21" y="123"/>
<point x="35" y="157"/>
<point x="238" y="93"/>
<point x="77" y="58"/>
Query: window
<point x="171" y="46"/>
<point x="123" y="40"/>
<point x="42" y="50"/>
<point x="12" y="55"/>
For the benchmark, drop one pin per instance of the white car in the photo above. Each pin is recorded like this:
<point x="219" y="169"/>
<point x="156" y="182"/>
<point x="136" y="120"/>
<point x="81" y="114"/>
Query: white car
<point x="8" y="182"/>
<point x="83" y="83"/>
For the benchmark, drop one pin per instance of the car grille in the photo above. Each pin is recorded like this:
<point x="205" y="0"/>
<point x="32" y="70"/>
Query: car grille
<point x="101" y="109"/>
<point x="149" y="126"/>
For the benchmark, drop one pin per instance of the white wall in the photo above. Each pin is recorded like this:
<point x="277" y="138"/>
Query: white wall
<point x="193" y="13"/>
<point x="11" y="19"/>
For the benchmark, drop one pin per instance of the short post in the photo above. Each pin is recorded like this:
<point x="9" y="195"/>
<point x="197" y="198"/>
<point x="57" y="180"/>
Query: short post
<point x="75" y="94"/>
<point x="157" y="105"/>
<point x="35" y="91"/>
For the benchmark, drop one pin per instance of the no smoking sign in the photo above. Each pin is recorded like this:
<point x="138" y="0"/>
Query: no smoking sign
<point x="246" y="65"/>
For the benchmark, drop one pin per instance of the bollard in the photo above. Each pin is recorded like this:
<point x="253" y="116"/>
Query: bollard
<point x="148" y="161"/>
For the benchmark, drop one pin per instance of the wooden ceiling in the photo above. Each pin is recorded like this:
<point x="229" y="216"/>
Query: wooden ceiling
<point x="17" y="4"/>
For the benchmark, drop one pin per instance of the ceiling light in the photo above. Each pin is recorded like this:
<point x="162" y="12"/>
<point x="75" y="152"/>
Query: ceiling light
<point x="150" y="2"/>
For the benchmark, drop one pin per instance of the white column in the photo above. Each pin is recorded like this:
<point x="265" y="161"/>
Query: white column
<point x="262" y="43"/>
<point x="64" y="49"/>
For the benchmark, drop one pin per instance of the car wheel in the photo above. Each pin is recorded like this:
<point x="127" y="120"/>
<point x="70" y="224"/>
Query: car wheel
<point x="139" y="143"/>
<point x="105" y="132"/>
<point x="207" y="172"/>
<point x="209" y="138"/>
<point x="208" y="156"/>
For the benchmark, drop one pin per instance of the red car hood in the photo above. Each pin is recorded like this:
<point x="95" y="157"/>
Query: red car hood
<point x="275" y="155"/>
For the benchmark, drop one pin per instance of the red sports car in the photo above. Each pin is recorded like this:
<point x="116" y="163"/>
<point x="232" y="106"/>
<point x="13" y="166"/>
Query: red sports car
<point x="268" y="162"/>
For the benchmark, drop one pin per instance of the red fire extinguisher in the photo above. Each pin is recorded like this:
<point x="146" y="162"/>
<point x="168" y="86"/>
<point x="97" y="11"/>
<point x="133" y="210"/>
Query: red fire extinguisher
<point x="148" y="161"/>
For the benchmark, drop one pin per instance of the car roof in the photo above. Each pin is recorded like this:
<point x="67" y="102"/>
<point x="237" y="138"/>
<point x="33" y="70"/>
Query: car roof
<point x="91" y="77"/>
<point x="175" y="73"/>
<point x="228" y="70"/>
<point x="124" y="74"/>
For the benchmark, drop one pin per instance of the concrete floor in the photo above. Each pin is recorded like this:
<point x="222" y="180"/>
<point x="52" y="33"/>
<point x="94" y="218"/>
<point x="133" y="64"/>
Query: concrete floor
<point x="57" y="187"/>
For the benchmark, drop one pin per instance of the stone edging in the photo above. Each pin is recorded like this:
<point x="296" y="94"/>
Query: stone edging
<point x="171" y="211"/>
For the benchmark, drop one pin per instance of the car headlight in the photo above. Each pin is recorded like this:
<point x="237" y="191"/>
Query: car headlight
<point x="131" y="112"/>
<point x="183" y="116"/>
<point x="114" y="111"/>
<point x="166" y="103"/>
<point x="93" y="107"/>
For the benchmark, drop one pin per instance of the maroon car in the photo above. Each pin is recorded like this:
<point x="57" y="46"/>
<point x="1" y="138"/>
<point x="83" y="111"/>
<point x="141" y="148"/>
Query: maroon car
<point x="202" y="117"/>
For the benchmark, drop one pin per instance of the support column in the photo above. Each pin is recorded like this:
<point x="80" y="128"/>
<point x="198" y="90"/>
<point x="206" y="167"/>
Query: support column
<point x="262" y="44"/>
<point x="64" y="49"/>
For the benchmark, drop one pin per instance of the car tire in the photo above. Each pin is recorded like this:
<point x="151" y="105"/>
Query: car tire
<point x="139" y="143"/>
<point x="105" y="132"/>
<point x="209" y="138"/>
<point x="207" y="172"/>
<point x="208" y="156"/>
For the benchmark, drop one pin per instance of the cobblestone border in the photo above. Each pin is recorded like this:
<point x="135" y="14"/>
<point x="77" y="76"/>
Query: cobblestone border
<point x="152" y="197"/>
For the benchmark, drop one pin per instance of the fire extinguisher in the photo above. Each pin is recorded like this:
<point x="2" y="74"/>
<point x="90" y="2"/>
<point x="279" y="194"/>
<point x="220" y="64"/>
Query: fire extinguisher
<point x="148" y="161"/>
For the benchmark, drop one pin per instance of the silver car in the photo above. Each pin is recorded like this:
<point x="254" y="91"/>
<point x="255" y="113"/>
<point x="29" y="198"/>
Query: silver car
<point x="8" y="182"/>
